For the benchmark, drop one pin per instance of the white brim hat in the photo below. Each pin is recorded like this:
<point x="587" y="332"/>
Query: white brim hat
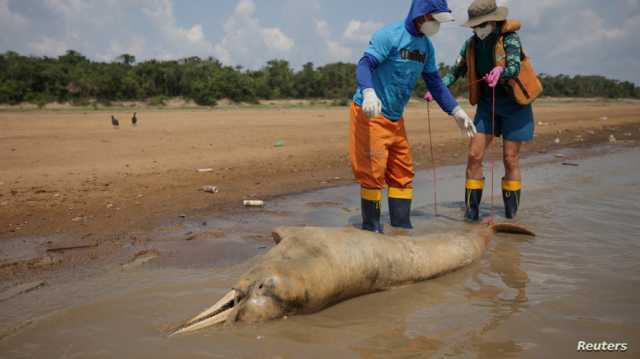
<point x="443" y="17"/>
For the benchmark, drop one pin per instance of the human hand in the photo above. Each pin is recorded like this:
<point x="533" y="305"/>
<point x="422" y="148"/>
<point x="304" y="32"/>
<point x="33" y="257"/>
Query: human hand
<point x="464" y="122"/>
<point x="371" y="105"/>
<point x="493" y="76"/>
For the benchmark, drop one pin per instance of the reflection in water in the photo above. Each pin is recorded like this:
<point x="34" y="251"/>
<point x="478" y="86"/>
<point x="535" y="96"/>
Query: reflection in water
<point x="505" y="261"/>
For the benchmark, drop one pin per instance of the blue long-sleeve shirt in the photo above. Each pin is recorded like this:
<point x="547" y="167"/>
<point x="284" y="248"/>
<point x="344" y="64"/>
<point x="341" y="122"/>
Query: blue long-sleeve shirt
<point x="368" y="63"/>
<point x="396" y="57"/>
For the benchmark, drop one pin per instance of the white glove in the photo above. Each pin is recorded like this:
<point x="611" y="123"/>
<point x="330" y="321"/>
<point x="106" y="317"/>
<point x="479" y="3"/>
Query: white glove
<point x="371" y="105"/>
<point x="464" y="122"/>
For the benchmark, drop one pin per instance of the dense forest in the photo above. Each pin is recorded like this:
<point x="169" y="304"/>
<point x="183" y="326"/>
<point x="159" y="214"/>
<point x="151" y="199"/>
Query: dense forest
<point x="74" y="78"/>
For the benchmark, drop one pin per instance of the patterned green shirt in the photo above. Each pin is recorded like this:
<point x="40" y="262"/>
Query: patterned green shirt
<point x="484" y="58"/>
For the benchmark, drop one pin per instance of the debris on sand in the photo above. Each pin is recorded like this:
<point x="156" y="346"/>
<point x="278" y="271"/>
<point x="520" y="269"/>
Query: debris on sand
<point x="210" y="189"/>
<point x="141" y="258"/>
<point x="279" y="143"/>
<point x="570" y="164"/>
<point x="253" y="203"/>
<point x="604" y="118"/>
<point x="72" y="245"/>
<point x="212" y="234"/>
<point x="612" y="138"/>
<point x="20" y="289"/>
<point x="205" y="170"/>
<point x="560" y="155"/>
<point x="77" y="219"/>
<point x="557" y="140"/>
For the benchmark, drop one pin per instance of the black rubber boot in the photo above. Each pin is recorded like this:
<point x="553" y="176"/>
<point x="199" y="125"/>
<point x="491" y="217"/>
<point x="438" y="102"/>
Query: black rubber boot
<point x="472" y="204"/>
<point x="400" y="212"/>
<point x="472" y="199"/>
<point x="371" y="216"/>
<point x="511" y="196"/>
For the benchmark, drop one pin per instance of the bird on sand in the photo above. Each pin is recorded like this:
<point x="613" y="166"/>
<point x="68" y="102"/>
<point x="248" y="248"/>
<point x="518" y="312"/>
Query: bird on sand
<point x="115" y="122"/>
<point x="134" y="119"/>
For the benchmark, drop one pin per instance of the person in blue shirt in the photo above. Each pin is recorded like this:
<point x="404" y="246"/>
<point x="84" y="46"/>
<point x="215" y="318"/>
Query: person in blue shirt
<point x="398" y="54"/>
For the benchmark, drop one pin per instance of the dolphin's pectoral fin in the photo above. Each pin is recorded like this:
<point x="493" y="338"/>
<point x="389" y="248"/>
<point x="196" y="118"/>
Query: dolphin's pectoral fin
<point x="218" y="313"/>
<point x="280" y="233"/>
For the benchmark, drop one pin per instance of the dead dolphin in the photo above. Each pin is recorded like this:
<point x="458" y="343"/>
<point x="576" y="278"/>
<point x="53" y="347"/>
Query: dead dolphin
<point x="312" y="268"/>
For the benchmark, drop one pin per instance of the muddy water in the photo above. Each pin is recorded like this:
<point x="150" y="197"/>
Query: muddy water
<point x="527" y="298"/>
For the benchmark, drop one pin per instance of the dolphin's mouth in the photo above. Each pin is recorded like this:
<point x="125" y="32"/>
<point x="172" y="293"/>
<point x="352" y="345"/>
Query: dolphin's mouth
<point x="216" y="314"/>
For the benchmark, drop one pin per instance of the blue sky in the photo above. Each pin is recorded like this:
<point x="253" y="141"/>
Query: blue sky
<point x="562" y="36"/>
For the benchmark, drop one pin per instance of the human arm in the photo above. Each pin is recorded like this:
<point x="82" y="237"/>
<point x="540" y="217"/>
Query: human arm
<point x="459" y="69"/>
<point x="444" y="98"/>
<point x="371" y="104"/>
<point x="440" y="92"/>
<point x="513" y="50"/>
<point x="364" y="71"/>
<point x="378" y="50"/>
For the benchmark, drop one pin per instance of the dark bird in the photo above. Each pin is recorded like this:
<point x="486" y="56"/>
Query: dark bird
<point x="115" y="122"/>
<point x="134" y="119"/>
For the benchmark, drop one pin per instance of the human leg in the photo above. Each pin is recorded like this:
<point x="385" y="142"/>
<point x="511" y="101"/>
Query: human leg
<point x="474" y="183"/>
<point x="399" y="177"/>
<point x="368" y="140"/>
<point x="512" y="181"/>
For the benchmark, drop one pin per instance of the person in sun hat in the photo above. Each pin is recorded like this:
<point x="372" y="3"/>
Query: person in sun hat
<point x="491" y="61"/>
<point x="386" y="75"/>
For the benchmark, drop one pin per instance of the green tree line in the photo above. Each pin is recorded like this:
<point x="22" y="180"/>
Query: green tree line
<point x="74" y="78"/>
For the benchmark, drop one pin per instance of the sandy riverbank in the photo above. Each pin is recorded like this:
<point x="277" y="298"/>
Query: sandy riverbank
<point x="69" y="173"/>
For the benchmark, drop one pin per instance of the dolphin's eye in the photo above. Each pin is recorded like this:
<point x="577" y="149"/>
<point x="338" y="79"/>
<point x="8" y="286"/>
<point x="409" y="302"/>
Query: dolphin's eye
<point x="260" y="286"/>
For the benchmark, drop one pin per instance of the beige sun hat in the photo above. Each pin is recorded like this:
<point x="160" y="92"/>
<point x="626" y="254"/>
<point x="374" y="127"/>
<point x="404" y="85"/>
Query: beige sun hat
<point x="481" y="11"/>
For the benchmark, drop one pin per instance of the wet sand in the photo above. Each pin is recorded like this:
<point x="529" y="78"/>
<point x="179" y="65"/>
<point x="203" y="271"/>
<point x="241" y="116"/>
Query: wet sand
<point x="526" y="298"/>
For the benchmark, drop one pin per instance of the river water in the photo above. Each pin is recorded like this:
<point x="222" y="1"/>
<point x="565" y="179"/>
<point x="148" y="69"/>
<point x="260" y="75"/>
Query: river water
<point x="579" y="279"/>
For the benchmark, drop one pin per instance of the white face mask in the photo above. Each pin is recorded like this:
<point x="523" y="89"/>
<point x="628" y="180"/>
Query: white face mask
<point x="430" y="28"/>
<point x="483" y="31"/>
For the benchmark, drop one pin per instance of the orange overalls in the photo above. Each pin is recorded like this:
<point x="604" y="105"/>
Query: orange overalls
<point x="380" y="154"/>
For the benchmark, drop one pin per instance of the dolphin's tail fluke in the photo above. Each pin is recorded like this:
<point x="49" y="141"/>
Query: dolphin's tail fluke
<point x="512" y="228"/>
<point x="509" y="228"/>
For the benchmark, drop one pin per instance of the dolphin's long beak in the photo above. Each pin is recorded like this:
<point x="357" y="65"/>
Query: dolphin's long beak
<point x="218" y="313"/>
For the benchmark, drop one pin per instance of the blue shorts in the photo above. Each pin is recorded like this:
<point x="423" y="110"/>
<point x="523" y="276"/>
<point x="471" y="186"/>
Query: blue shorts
<point x="514" y="122"/>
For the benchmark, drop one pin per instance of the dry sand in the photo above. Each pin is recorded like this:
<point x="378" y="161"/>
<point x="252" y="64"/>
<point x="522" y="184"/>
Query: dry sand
<point x="71" y="173"/>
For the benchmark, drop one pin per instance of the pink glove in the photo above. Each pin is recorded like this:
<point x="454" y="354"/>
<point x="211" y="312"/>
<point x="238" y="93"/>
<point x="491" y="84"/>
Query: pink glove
<point x="428" y="97"/>
<point x="493" y="76"/>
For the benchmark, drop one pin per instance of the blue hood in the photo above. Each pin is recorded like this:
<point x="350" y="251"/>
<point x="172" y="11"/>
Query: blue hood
<point x="421" y="8"/>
